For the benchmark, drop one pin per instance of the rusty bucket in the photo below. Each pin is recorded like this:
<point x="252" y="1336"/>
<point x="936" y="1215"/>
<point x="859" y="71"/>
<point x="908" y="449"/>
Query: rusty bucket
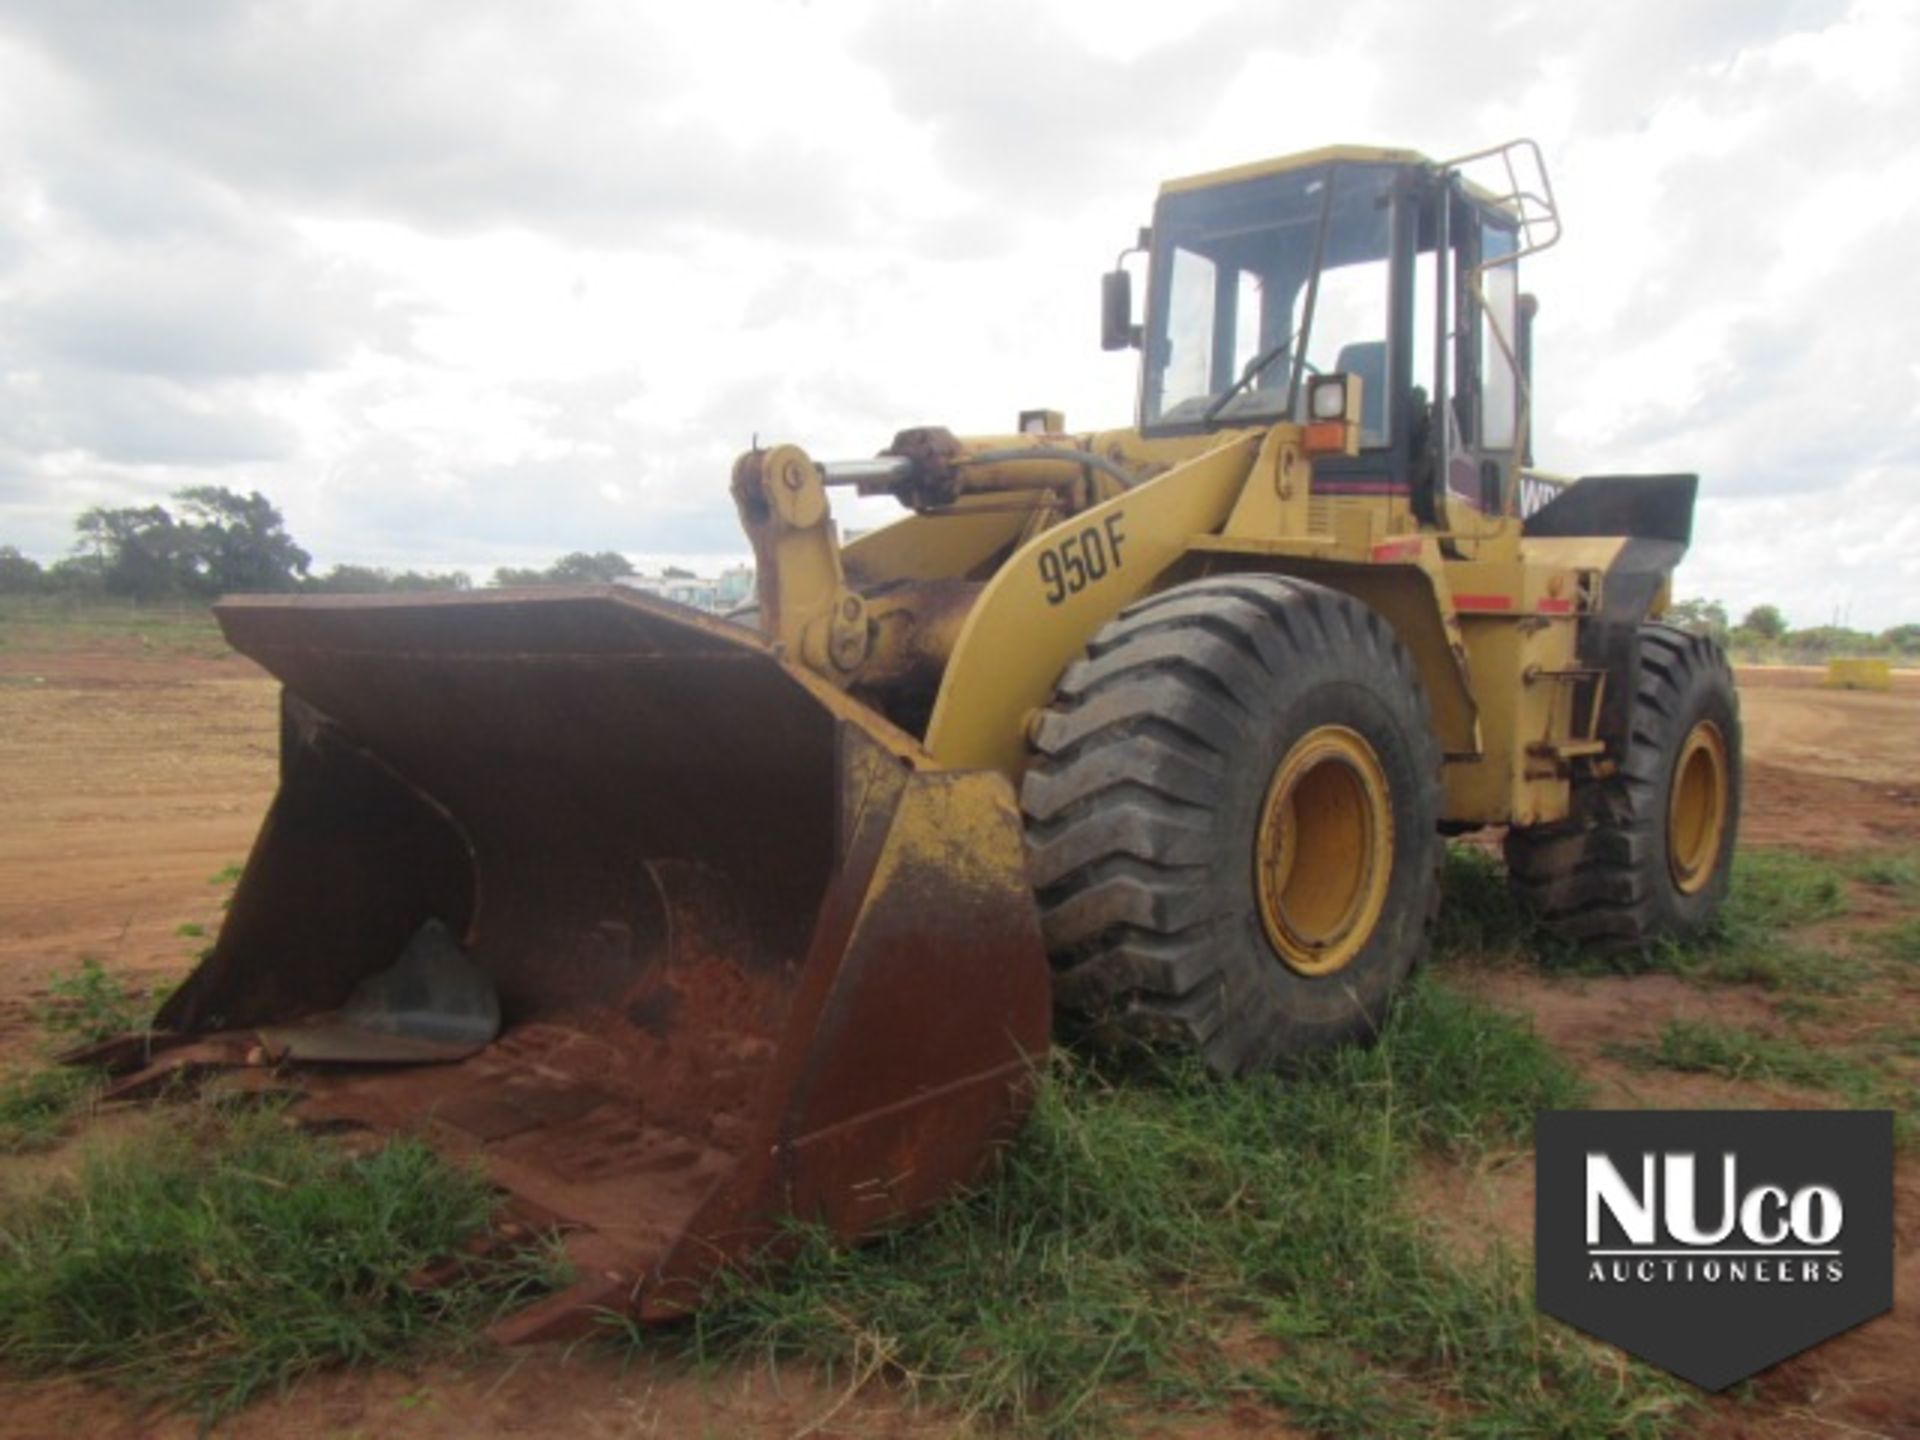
<point x="713" y="945"/>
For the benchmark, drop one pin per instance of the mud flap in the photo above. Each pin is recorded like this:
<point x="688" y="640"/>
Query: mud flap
<point x="754" y="955"/>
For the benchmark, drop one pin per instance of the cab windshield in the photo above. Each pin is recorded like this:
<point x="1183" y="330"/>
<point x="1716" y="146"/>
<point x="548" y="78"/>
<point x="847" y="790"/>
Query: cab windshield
<point x="1236" y="316"/>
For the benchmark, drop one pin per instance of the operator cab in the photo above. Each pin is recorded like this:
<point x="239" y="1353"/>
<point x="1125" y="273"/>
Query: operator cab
<point x="1377" y="264"/>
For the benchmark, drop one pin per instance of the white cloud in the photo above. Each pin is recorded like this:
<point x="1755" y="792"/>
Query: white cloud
<point x="478" y="285"/>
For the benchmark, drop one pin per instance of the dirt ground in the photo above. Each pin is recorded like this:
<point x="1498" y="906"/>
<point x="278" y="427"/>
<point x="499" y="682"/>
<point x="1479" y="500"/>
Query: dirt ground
<point x="1829" y="771"/>
<point x="129" y="779"/>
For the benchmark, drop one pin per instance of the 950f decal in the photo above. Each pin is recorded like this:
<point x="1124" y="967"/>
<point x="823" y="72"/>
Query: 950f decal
<point x="1084" y="558"/>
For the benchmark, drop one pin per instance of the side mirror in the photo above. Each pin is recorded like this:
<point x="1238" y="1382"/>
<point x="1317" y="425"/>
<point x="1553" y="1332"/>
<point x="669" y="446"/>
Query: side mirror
<point x="1117" y="330"/>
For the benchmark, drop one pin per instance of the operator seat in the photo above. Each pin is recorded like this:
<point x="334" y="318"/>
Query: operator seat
<point x="1368" y="360"/>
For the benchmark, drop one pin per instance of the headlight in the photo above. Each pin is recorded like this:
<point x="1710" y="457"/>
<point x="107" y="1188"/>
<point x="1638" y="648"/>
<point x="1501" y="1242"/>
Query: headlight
<point x="1327" y="397"/>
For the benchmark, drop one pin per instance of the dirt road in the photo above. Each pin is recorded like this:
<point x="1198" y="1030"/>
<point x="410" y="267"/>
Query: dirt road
<point x="1830" y="770"/>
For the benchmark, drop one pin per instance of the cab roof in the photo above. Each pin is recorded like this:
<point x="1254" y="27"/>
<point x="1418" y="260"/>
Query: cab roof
<point x="1325" y="155"/>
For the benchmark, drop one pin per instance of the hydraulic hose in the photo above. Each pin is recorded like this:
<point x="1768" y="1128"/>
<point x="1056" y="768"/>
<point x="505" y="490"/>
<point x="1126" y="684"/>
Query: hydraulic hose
<point x="1052" y="452"/>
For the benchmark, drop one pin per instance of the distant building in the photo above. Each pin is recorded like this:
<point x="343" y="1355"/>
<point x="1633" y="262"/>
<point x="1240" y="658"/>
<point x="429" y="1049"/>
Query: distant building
<point x="716" y="597"/>
<point x="735" y="586"/>
<point x="700" y="594"/>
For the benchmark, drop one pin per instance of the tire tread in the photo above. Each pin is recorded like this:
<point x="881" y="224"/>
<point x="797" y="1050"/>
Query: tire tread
<point x="1129" y="771"/>
<point x="1599" y="877"/>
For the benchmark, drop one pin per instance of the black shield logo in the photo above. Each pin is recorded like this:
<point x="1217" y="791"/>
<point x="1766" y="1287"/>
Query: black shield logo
<point x="1712" y="1242"/>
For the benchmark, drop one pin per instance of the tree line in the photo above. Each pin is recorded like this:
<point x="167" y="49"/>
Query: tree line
<point x="213" y="541"/>
<point x="1763" y="634"/>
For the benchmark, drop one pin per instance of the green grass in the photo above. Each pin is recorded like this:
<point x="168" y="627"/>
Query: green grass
<point x="1773" y="889"/>
<point x="1772" y="893"/>
<point x="39" y="1107"/>
<point x="1895" y="870"/>
<point x="1804" y="1007"/>
<point x="1898" y="1041"/>
<point x="1479" y="914"/>
<point x="1899" y="942"/>
<point x="39" y="624"/>
<point x="1776" y="891"/>
<point x="227" y="1253"/>
<point x="226" y="877"/>
<point x="1183" y="1243"/>
<point x="91" y="1004"/>
<point x="1776" y="963"/>
<point x="1707" y="1047"/>
<point x="1863" y="1077"/>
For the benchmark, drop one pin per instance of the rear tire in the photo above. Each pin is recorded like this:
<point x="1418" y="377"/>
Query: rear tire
<point x="1231" y="819"/>
<point x="1647" y="854"/>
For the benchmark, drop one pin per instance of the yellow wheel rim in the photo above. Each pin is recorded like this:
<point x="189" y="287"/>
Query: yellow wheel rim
<point x="1325" y="850"/>
<point x="1697" y="807"/>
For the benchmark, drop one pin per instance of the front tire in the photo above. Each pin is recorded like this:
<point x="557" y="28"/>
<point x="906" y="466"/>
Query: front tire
<point x="1647" y="854"/>
<point x="1231" y="817"/>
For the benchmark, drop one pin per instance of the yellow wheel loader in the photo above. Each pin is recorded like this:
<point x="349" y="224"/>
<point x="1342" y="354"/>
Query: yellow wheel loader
<point x="679" y="926"/>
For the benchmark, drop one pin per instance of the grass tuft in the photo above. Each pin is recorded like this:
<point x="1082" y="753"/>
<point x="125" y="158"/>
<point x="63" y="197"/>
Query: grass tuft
<point x="1774" y="889"/>
<point x="92" y="1004"/>
<point x="1895" y="870"/>
<point x="1773" y="892"/>
<point x="1707" y="1047"/>
<point x="1777" y="964"/>
<point x="38" y="1107"/>
<point x="1185" y="1242"/>
<point x="1863" y="1077"/>
<point x="1900" y="942"/>
<point x="228" y="1253"/>
<point x="1480" y="915"/>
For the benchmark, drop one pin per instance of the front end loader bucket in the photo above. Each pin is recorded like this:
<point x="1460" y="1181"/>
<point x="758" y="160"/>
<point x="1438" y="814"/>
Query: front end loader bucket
<point x="669" y="936"/>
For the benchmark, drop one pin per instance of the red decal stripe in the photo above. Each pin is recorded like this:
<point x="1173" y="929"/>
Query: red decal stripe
<point x="1482" y="602"/>
<point x="1555" y="607"/>
<point x="1396" y="550"/>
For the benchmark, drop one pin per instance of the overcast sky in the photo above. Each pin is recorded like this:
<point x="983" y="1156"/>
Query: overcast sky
<point x="482" y="283"/>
